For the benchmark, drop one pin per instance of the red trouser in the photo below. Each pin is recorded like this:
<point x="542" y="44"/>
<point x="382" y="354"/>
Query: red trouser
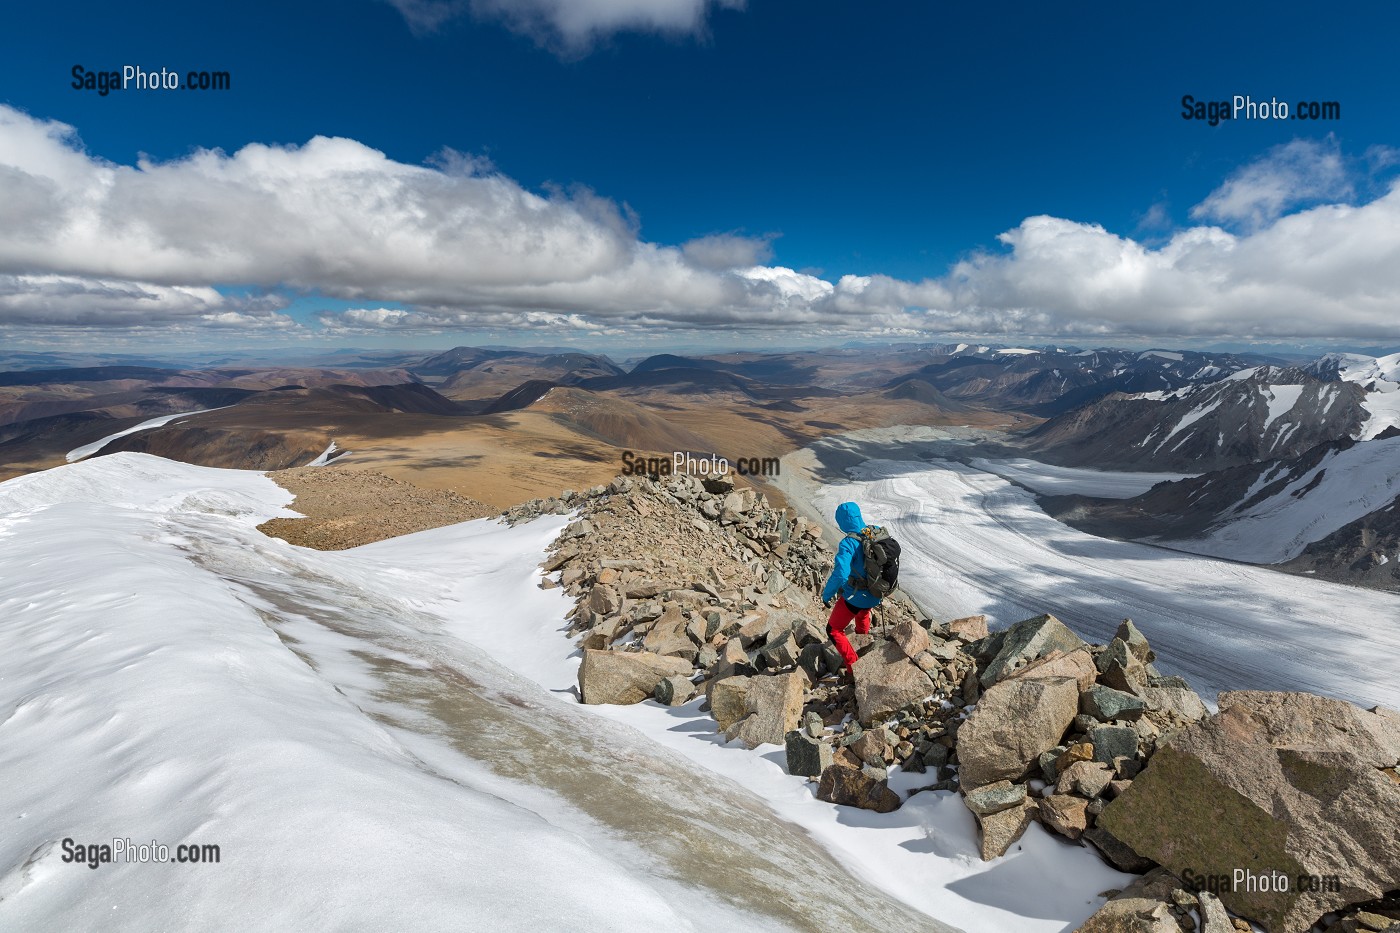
<point x="841" y="616"/>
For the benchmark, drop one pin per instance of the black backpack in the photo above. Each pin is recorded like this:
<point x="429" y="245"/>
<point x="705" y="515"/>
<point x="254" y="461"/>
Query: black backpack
<point x="881" y="555"/>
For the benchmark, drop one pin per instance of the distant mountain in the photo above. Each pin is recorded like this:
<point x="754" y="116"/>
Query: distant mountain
<point x="689" y="380"/>
<point x="671" y="361"/>
<point x="919" y="391"/>
<point x="522" y="364"/>
<point x="1051" y="381"/>
<point x="1262" y="413"/>
<point x="1333" y="510"/>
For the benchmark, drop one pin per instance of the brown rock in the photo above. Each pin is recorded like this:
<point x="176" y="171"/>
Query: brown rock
<point x="1078" y="664"/>
<point x="968" y="628"/>
<point x="1024" y="642"/>
<point x="1088" y="778"/>
<point x="1145" y="906"/>
<point x="1065" y="814"/>
<point x="624" y="677"/>
<point x="604" y="600"/>
<point x="852" y="787"/>
<point x="773" y="707"/>
<point x="911" y="637"/>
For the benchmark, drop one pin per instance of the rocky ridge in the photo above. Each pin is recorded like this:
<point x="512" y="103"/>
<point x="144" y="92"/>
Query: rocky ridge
<point x="688" y="588"/>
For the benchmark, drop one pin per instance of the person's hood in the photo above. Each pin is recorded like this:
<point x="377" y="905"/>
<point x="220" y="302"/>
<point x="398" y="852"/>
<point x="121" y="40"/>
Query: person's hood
<point x="848" y="518"/>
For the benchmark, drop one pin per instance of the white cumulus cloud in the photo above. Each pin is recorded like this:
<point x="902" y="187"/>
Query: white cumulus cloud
<point x="570" y="26"/>
<point x="456" y="245"/>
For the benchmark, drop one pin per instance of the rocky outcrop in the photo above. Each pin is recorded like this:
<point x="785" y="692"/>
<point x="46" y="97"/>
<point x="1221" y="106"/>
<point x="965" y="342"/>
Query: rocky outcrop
<point x="1280" y="785"/>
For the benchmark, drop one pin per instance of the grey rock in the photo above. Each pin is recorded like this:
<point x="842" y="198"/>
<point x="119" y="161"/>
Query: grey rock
<point x="1106" y="704"/>
<point x="1027" y="640"/>
<point x="674" y="690"/>
<point x="993" y="798"/>
<point x="1112" y="742"/>
<point x="807" y="756"/>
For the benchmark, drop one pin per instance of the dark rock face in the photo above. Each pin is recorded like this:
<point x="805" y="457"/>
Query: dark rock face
<point x="854" y="787"/>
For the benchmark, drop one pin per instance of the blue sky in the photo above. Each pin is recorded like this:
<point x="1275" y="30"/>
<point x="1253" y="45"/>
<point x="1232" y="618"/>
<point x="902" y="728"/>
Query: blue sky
<point x="837" y="139"/>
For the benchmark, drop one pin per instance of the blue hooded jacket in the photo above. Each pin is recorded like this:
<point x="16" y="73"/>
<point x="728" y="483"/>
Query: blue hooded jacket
<point x="849" y="559"/>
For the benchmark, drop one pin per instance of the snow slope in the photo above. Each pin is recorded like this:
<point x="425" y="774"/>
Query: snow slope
<point x="1381" y="376"/>
<point x="925" y="853"/>
<point x="168" y="673"/>
<point x="1065" y="481"/>
<point x="974" y="543"/>
<point x="88" y="450"/>
<point x="1344" y="486"/>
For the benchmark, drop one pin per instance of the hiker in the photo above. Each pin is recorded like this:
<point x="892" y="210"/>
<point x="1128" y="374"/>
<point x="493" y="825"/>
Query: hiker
<point x="848" y="583"/>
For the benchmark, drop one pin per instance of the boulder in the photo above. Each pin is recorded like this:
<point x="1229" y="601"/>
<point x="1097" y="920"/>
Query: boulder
<point x="674" y="690"/>
<point x="1088" y="778"/>
<point x="1106" y="704"/>
<point x="1137" y="642"/>
<point x="853" y="787"/>
<point x="604" y="600"/>
<point x="1176" y="702"/>
<point x="911" y="637"/>
<point x="780" y="653"/>
<point x="1214" y="918"/>
<point x="1027" y="640"/>
<point x="1003" y="795"/>
<point x="886" y="681"/>
<point x="1274" y="782"/>
<point x="1065" y="814"/>
<point x="625" y="677"/>
<point x="773" y="707"/>
<point x="1000" y="830"/>
<point x="668" y="636"/>
<point x="1121" y="669"/>
<point x="1112" y="742"/>
<point x="1013" y="723"/>
<point x="872" y="748"/>
<point x="727" y="700"/>
<point x="806" y="756"/>
<point x="1078" y="664"/>
<point x="968" y="628"/>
